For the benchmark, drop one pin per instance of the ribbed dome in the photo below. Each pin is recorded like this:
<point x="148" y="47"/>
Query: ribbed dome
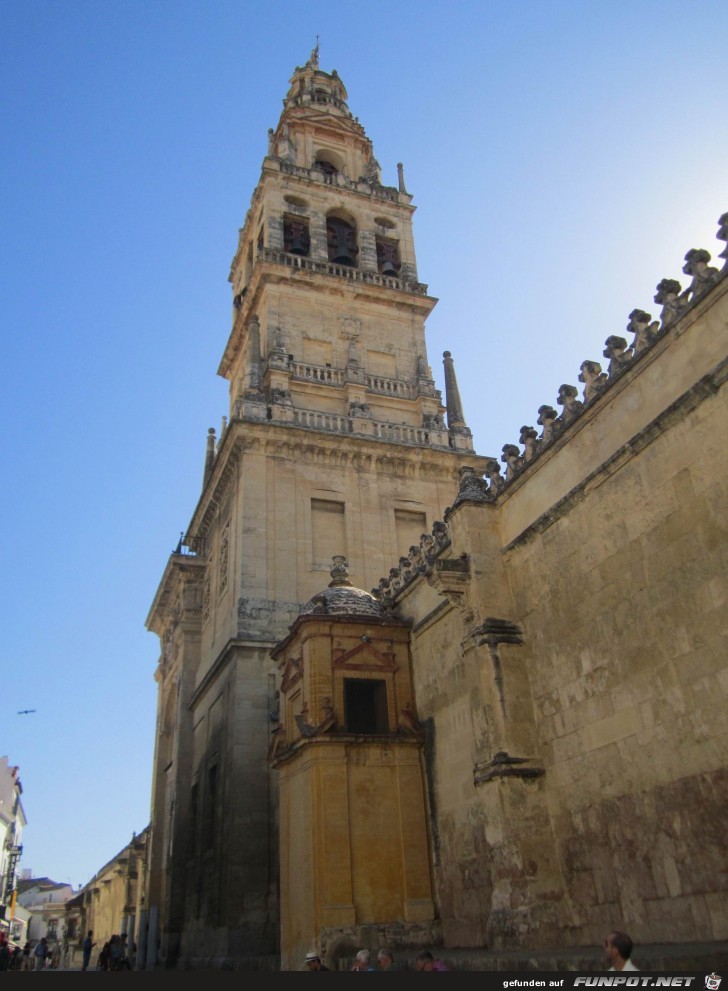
<point x="341" y="598"/>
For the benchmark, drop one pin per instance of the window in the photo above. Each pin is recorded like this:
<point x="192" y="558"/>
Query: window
<point x="341" y="241"/>
<point x="328" y="531"/>
<point x="388" y="261"/>
<point x="410" y="527"/>
<point x="296" y="237"/>
<point x="365" y="705"/>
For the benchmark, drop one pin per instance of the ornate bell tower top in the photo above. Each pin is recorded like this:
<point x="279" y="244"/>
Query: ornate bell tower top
<point x="328" y="310"/>
<point x="317" y="129"/>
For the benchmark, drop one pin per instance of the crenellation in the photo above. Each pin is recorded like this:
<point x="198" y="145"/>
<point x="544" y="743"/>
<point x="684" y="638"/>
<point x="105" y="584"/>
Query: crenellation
<point x="646" y="331"/>
<point x="572" y="406"/>
<point x="722" y="235"/>
<point x="594" y="379"/>
<point x="670" y="296"/>
<point x="704" y="275"/>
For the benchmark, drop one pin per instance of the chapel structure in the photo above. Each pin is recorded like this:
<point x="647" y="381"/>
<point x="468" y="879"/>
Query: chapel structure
<point x="413" y="696"/>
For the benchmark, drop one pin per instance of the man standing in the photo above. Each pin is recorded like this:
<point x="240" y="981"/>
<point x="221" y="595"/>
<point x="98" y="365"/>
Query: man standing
<point x="40" y="953"/>
<point x="618" y="948"/>
<point x="88" y="945"/>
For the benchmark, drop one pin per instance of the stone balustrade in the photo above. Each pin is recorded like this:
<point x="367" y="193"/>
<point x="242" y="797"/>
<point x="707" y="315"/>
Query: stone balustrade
<point x="343" y="271"/>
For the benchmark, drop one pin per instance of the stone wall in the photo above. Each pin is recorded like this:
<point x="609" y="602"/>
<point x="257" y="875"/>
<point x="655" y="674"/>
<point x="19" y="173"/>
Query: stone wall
<point x="570" y="663"/>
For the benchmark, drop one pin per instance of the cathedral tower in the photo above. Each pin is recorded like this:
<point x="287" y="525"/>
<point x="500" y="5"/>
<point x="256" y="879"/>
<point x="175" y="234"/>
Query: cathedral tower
<point x="336" y="442"/>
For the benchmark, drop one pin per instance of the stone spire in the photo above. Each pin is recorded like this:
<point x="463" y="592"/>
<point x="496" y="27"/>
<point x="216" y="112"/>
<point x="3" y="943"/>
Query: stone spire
<point x="253" y="386"/>
<point x="455" y="416"/>
<point x="456" y="426"/>
<point x="209" y="456"/>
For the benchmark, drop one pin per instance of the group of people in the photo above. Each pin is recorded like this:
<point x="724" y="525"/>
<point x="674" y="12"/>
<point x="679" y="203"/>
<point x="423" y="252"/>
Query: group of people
<point x="385" y="961"/>
<point x="34" y="955"/>
<point x="618" y="948"/>
<point x="114" y="954"/>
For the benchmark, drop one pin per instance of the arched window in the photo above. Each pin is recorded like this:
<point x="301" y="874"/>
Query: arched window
<point x="341" y="240"/>
<point x="296" y="237"/>
<point x="388" y="261"/>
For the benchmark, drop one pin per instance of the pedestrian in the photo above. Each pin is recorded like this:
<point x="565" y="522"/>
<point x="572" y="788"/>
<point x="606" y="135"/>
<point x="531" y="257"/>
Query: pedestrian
<point x="426" y="961"/>
<point x="4" y="954"/>
<point x="385" y="959"/>
<point x="103" y="961"/>
<point x="115" y="951"/>
<point x="362" y="961"/>
<point x="88" y="945"/>
<point x="313" y="961"/>
<point x="618" y="949"/>
<point x="41" y="953"/>
<point x="55" y="961"/>
<point x="27" y="959"/>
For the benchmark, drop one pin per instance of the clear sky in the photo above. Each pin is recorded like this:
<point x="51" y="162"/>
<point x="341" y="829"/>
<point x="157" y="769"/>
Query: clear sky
<point x="563" y="156"/>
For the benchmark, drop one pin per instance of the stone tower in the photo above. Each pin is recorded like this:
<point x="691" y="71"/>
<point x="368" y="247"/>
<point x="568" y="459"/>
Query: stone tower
<point x="336" y="442"/>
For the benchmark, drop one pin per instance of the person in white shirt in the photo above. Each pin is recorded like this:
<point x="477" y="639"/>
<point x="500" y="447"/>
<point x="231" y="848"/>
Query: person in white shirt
<point x="618" y="948"/>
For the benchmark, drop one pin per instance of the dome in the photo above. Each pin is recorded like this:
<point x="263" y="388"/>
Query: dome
<point x="341" y="598"/>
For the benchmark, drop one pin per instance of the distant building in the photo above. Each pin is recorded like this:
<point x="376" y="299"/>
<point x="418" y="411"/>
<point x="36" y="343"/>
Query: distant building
<point x="45" y="900"/>
<point x="12" y="823"/>
<point x="111" y="903"/>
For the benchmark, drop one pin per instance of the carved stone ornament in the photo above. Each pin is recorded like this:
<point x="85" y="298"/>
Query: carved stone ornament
<point x="722" y="235"/>
<point x="571" y="405"/>
<point x="472" y="488"/>
<point x="645" y="330"/>
<point x="615" y="348"/>
<point x="672" y="300"/>
<point x="502" y="765"/>
<point x="451" y="578"/>
<point x="548" y="420"/>
<point x="704" y="275"/>
<point x="511" y="456"/>
<point x="495" y="480"/>
<point x="529" y="439"/>
<point x="594" y="379"/>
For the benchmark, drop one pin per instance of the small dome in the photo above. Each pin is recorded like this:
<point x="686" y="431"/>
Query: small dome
<point x="341" y="598"/>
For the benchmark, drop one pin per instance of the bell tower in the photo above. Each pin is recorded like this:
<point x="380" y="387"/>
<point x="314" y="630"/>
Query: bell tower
<point x="329" y="314"/>
<point x="335" y="442"/>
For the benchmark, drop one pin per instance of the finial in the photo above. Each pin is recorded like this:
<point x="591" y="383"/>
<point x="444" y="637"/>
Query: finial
<point x="339" y="571"/>
<point x="314" y="57"/>
<point x="209" y="455"/>
<point x="455" y="418"/>
<point x="400" y="176"/>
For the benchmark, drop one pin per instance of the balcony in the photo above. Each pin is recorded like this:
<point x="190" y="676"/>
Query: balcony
<point x="342" y="271"/>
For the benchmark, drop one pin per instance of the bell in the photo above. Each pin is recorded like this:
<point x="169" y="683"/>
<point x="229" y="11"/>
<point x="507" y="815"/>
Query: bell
<point x="389" y="269"/>
<point x="342" y="243"/>
<point x="344" y="257"/>
<point x="298" y="246"/>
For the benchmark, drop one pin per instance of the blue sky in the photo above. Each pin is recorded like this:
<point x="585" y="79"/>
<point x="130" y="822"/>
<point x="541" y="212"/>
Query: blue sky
<point x="563" y="157"/>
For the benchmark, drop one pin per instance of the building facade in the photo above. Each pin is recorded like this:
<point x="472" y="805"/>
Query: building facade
<point x="537" y="680"/>
<point x="336" y="442"/>
<point x="12" y="823"/>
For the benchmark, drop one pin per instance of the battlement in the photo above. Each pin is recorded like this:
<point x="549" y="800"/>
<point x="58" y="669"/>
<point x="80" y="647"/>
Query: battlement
<point x="678" y="306"/>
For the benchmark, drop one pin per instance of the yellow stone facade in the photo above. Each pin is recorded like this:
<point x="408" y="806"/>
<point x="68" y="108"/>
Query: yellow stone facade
<point x="349" y="751"/>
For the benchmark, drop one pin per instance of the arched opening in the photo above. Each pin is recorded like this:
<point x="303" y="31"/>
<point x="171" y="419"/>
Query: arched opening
<point x="296" y="237"/>
<point x="341" y="239"/>
<point x="329" y="163"/>
<point x="388" y="261"/>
